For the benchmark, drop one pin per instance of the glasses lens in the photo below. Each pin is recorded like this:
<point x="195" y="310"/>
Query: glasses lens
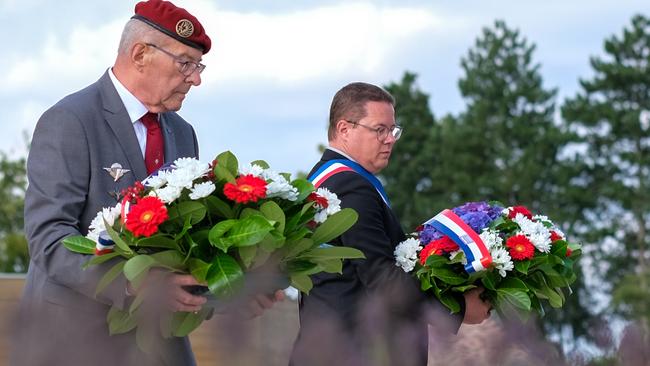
<point x="397" y="132"/>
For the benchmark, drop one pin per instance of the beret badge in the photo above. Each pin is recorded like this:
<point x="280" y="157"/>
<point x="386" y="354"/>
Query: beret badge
<point x="184" y="28"/>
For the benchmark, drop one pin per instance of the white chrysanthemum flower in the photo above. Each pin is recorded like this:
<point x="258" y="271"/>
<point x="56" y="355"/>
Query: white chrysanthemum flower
<point x="333" y="201"/>
<point x="180" y="178"/>
<point x="251" y="169"/>
<point x="536" y="232"/>
<point x="280" y="187"/>
<point x="541" y="218"/>
<point x="501" y="260"/>
<point x="202" y="190"/>
<point x="191" y="167"/>
<point x="406" y="254"/>
<point x="167" y="194"/>
<point x="110" y="214"/>
<point x="491" y="238"/>
<point x="320" y="216"/>
<point x="458" y="253"/>
<point x="156" y="181"/>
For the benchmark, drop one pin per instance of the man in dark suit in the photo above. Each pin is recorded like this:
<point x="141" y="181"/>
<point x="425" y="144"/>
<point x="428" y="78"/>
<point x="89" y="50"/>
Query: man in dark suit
<point x="374" y="313"/>
<point x="126" y="120"/>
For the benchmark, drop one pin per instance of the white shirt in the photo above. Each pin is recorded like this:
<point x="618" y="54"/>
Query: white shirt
<point x="342" y="153"/>
<point x="134" y="108"/>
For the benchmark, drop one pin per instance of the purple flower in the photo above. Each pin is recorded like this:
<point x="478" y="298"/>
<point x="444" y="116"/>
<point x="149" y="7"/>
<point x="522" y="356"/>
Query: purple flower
<point x="428" y="234"/>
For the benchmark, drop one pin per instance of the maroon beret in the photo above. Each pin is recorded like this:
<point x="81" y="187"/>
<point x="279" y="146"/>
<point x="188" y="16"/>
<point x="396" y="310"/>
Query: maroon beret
<point x="175" y="22"/>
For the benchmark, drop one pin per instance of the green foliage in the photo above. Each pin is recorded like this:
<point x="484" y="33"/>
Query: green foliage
<point x="14" y="255"/>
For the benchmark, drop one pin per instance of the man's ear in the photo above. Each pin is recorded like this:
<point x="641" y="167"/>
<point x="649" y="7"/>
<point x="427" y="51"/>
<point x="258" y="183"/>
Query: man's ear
<point x="139" y="55"/>
<point x="342" y="128"/>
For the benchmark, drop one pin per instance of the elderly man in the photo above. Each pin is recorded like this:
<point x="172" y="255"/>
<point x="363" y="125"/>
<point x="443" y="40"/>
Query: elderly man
<point x="127" y="119"/>
<point x="374" y="314"/>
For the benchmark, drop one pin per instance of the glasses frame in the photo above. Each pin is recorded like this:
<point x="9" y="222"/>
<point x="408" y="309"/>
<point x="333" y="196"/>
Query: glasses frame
<point x="396" y="130"/>
<point x="186" y="67"/>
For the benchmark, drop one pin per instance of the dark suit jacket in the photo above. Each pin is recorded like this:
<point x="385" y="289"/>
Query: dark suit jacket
<point x="62" y="322"/>
<point x="374" y="312"/>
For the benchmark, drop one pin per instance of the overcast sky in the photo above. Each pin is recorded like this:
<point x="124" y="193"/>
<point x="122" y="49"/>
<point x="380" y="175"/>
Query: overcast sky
<point x="275" y="65"/>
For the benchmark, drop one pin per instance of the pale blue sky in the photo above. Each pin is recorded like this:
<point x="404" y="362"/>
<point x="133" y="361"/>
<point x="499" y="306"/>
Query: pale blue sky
<point x="275" y="65"/>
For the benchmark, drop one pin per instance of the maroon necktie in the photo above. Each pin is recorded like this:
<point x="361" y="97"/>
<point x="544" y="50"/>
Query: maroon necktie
<point x="154" y="155"/>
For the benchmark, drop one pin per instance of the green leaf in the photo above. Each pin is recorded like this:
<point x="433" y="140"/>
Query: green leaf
<point x="489" y="281"/>
<point x="222" y="174"/>
<point x="335" y="225"/>
<point x="198" y="269"/>
<point x="450" y="302"/>
<point x="463" y="288"/>
<point x="120" y="321"/>
<point x="559" y="248"/>
<point x="517" y="298"/>
<point x="249" y="231"/>
<point x="184" y="323"/>
<point x="302" y="282"/>
<point x="180" y="212"/>
<point x="435" y="261"/>
<point x="448" y="276"/>
<point x="247" y="212"/>
<point x="137" y="265"/>
<point x="158" y="241"/>
<point x="79" y="244"/>
<point x="228" y="161"/>
<point x="119" y="243"/>
<point x="218" y="207"/>
<point x="261" y="163"/>
<point x="331" y="265"/>
<point x="99" y="259"/>
<point x="334" y="252"/>
<point x="109" y="276"/>
<point x="522" y="266"/>
<point x="218" y="231"/>
<point x="297" y="247"/>
<point x="514" y="283"/>
<point x="273" y="212"/>
<point x="247" y="254"/>
<point x="170" y="259"/>
<point x="302" y="267"/>
<point x="224" y="276"/>
<point x="304" y="187"/>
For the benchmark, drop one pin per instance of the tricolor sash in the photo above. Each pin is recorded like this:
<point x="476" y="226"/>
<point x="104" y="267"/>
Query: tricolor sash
<point x="335" y="166"/>
<point x="477" y="254"/>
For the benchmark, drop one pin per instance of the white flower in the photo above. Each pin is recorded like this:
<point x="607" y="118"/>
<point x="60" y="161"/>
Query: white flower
<point x="202" y="190"/>
<point x="406" y="254"/>
<point x="110" y="214"/>
<point x="167" y="194"/>
<point x="292" y="293"/>
<point x="181" y="178"/>
<point x="333" y="205"/>
<point x="536" y="232"/>
<point x="280" y="187"/>
<point x="456" y="253"/>
<point x="501" y="260"/>
<point x="196" y="167"/>
<point x="156" y="181"/>
<point x="491" y="238"/>
<point x="251" y="169"/>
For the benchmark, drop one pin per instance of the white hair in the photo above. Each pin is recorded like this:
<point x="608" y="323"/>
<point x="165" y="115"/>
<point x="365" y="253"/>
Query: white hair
<point x="137" y="31"/>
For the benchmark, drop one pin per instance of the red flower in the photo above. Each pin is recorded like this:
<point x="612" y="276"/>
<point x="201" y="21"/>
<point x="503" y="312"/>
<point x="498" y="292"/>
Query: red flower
<point x="555" y="236"/>
<point x="519" y="209"/>
<point x="520" y="247"/>
<point x="145" y="216"/>
<point x="320" y="202"/>
<point x="103" y="251"/>
<point x="134" y="192"/>
<point x="568" y="251"/>
<point x="419" y="228"/>
<point x="249" y="188"/>
<point x="437" y="247"/>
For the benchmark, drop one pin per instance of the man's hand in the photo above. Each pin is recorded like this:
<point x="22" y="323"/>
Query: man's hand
<point x="170" y="286"/>
<point x="260" y="303"/>
<point x="476" y="309"/>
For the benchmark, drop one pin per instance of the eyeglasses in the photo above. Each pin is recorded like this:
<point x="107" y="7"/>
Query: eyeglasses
<point x="382" y="131"/>
<point x="185" y="67"/>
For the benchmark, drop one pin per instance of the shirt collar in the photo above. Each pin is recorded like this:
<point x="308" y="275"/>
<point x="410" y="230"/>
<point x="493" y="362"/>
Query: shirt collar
<point x="133" y="106"/>
<point x="342" y="153"/>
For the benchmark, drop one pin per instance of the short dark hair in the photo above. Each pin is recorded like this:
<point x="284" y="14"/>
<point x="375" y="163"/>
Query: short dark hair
<point x="349" y="103"/>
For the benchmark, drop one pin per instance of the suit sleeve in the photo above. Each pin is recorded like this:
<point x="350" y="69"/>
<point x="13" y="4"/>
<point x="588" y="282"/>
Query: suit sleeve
<point x="58" y="171"/>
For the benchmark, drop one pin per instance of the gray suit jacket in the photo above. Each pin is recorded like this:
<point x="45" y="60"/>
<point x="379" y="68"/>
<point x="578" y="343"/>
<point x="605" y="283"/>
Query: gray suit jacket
<point x="62" y="322"/>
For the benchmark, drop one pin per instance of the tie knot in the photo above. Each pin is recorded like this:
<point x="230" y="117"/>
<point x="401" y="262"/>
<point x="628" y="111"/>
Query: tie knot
<point x="150" y="120"/>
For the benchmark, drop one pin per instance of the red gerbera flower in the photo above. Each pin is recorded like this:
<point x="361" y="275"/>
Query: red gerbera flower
<point x="437" y="247"/>
<point x="555" y="236"/>
<point x="319" y="201"/>
<point x="568" y="251"/>
<point x="248" y="188"/>
<point x="519" y="209"/>
<point x="520" y="247"/>
<point x="145" y="216"/>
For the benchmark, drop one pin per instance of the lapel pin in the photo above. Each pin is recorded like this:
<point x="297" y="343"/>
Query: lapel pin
<point x="116" y="171"/>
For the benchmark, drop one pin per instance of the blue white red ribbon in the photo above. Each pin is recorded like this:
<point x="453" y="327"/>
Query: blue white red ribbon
<point x="336" y="166"/>
<point x="477" y="254"/>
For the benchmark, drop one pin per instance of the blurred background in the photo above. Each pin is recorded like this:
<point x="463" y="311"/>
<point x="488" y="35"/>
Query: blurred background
<point x="543" y="104"/>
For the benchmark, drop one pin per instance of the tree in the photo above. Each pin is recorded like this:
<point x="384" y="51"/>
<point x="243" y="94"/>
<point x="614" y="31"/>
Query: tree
<point x="14" y="256"/>
<point x="610" y="117"/>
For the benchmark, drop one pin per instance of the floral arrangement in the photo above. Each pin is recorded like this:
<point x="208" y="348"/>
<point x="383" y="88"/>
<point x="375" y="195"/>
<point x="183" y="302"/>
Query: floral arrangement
<point x="528" y="260"/>
<point x="223" y="223"/>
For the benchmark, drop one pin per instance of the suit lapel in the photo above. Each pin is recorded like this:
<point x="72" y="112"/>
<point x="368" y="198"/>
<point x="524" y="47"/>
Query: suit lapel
<point x="171" y="151"/>
<point x="119" y="121"/>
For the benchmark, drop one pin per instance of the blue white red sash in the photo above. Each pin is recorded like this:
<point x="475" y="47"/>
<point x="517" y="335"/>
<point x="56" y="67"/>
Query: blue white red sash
<point x="336" y="166"/>
<point x="477" y="254"/>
